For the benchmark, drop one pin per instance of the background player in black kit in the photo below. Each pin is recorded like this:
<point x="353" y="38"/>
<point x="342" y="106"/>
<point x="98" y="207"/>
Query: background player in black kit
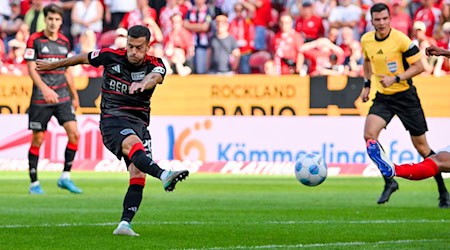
<point x="54" y="94"/>
<point x="130" y="77"/>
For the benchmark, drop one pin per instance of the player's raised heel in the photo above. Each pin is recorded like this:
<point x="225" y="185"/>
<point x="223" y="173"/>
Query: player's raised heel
<point x="173" y="177"/>
<point x="124" y="228"/>
<point x="376" y="153"/>
<point x="69" y="185"/>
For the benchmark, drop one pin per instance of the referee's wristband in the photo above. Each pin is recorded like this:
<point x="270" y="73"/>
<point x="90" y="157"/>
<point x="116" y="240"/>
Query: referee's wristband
<point x="367" y="83"/>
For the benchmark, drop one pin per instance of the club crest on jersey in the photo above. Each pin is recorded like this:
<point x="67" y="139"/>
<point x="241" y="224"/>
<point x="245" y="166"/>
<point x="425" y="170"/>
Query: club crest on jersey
<point x="159" y="70"/>
<point x="29" y="53"/>
<point x="95" y="53"/>
<point x="137" y="76"/>
<point x="392" y="66"/>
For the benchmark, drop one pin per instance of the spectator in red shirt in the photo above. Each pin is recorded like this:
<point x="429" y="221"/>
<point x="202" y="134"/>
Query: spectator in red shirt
<point x="243" y="30"/>
<point x="353" y="58"/>
<point x="137" y="16"/>
<point x="262" y="16"/>
<point x="309" y="24"/>
<point x="179" y="46"/>
<point x="429" y="15"/>
<point x="166" y="13"/>
<point x="287" y="42"/>
<point x="15" y="63"/>
<point x="442" y="66"/>
<point x="318" y="53"/>
<point x="423" y="41"/>
<point x="400" y="20"/>
<point x="2" y="50"/>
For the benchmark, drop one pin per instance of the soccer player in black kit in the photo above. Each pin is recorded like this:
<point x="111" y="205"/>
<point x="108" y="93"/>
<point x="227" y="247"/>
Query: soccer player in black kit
<point x="130" y="77"/>
<point x="54" y="94"/>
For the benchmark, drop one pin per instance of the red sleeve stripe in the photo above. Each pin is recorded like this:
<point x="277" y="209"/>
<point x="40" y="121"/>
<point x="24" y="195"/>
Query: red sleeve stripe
<point x="118" y="79"/>
<point x="33" y="37"/>
<point x="155" y="61"/>
<point x="64" y="38"/>
<point x="119" y="52"/>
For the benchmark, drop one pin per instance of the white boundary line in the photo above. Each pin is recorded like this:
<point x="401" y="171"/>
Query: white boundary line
<point x="103" y="224"/>
<point x="326" y="245"/>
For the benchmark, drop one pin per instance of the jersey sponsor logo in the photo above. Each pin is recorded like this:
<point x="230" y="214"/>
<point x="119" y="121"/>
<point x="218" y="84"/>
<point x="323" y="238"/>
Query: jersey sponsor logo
<point x="116" y="68"/>
<point x="95" y="53"/>
<point x="137" y="76"/>
<point x="45" y="49"/>
<point x="51" y="59"/>
<point x="127" y="131"/>
<point x="63" y="50"/>
<point x="118" y="86"/>
<point x="29" y="53"/>
<point x="392" y="66"/>
<point x="159" y="70"/>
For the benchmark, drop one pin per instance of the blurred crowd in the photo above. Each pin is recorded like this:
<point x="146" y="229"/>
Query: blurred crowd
<point x="274" y="37"/>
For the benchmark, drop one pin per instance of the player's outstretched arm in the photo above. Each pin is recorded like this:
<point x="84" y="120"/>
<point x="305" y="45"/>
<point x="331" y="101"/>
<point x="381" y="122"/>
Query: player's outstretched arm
<point x="42" y="65"/>
<point x="149" y="82"/>
<point x="436" y="51"/>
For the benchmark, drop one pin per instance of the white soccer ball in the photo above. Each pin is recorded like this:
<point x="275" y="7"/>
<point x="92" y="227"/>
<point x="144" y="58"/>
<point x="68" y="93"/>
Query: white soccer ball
<point x="310" y="169"/>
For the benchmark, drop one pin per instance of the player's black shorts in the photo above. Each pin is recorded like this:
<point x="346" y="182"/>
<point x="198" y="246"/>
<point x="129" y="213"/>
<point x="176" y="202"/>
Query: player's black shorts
<point x="406" y="105"/>
<point x="114" y="130"/>
<point x="39" y="115"/>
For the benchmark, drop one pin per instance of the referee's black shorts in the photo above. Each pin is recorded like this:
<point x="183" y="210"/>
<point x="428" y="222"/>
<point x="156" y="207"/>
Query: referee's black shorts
<point x="406" y="105"/>
<point x="114" y="130"/>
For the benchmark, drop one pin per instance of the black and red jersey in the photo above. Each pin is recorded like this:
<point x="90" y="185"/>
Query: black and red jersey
<point x="118" y="75"/>
<point x="41" y="47"/>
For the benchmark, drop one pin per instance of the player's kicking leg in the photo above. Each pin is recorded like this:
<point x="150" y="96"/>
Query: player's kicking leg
<point x="376" y="153"/>
<point x="136" y="152"/>
<point x="171" y="178"/>
<point x="429" y="167"/>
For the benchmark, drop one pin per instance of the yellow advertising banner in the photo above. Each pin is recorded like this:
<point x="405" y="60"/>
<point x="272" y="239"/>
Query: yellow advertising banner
<point x="232" y="95"/>
<point x="241" y="95"/>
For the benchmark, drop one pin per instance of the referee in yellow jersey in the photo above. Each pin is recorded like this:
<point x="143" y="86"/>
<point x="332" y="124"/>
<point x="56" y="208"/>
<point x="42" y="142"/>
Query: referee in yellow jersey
<point x="390" y="61"/>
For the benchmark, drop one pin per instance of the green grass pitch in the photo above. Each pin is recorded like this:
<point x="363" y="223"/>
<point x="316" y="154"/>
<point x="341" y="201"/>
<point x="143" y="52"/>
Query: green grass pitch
<point x="222" y="212"/>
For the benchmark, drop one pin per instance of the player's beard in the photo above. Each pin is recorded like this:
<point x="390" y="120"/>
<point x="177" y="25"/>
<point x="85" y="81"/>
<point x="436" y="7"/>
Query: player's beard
<point x="135" y="60"/>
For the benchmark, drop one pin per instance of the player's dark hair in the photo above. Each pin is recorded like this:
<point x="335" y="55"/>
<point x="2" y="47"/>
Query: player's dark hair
<point x="379" y="7"/>
<point x="139" y="31"/>
<point x="53" y="8"/>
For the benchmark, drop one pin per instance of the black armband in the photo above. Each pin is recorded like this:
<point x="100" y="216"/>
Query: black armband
<point x="367" y="83"/>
